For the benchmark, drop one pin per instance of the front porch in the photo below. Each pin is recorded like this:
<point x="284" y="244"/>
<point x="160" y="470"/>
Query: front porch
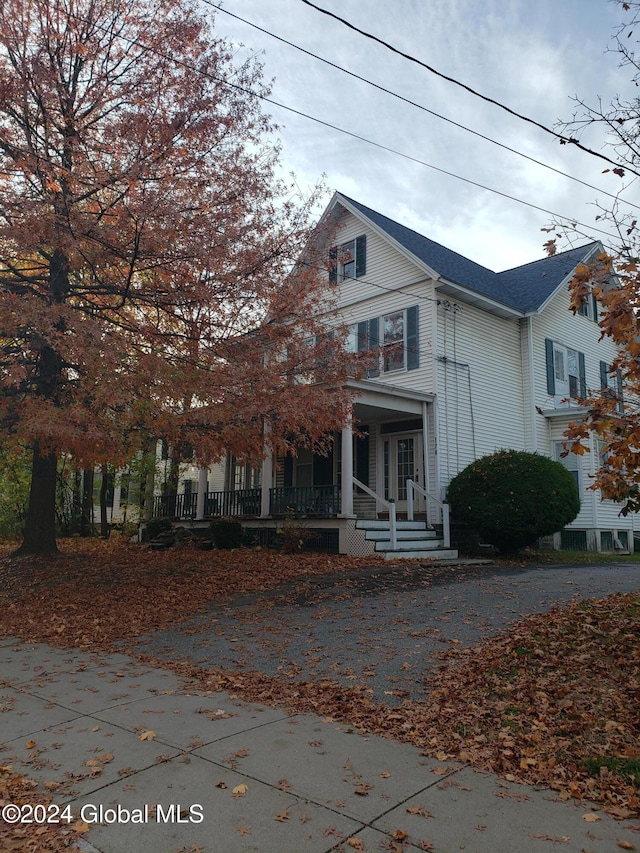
<point x="283" y="502"/>
<point x="384" y="471"/>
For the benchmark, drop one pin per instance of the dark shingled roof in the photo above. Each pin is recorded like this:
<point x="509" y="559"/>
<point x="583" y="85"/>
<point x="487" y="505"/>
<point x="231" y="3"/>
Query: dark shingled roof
<point x="525" y="288"/>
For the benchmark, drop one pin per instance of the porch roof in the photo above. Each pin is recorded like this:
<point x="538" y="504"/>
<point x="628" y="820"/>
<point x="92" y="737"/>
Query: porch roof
<point x="374" y="399"/>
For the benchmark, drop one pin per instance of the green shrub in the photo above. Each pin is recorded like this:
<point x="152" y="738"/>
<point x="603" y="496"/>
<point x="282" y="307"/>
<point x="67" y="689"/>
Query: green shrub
<point x="157" y="526"/>
<point x="511" y="498"/>
<point x="226" y="534"/>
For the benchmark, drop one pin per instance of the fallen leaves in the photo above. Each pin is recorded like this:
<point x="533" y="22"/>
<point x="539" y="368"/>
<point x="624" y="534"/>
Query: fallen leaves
<point x="240" y="790"/>
<point x="418" y="810"/>
<point x="148" y="735"/>
<point x="95" y="592"/>
<point x="283" y="816"/>
<point x="551" y="701"/>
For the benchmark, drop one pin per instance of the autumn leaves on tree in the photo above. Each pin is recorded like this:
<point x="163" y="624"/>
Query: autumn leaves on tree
<point x="146" y="247"/>
<point x="612" y="417"/>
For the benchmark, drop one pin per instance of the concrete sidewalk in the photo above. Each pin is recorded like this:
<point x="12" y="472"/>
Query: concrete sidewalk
<point x="210" y="773"/>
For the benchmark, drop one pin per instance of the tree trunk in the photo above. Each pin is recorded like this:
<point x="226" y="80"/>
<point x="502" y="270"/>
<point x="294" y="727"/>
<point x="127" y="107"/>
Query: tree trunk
<point x="104" y="487"/>
<point x="40" y="526"/>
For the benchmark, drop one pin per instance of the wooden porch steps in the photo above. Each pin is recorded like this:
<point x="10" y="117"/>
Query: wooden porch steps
<point x="414" y="540"/>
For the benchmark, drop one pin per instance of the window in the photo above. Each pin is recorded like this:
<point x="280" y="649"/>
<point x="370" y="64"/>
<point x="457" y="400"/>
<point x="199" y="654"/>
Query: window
<point x="393" y="347"/>
<point x="589" y="308"/>
<point x="396" y="334"/>
<point x="571" y="461"/>
<point x="565" y="371"/>
<point x="244" y="475"/>
<point x="349" y="260"/>
<point x="611" y="381"/>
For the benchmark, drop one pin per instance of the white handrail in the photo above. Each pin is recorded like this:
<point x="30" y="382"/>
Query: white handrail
<point x="446" y="524"/>
<point x="390" y="506"/>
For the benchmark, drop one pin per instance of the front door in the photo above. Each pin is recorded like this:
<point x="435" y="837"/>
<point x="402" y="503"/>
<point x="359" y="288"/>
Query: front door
<point x="402" y="461"/>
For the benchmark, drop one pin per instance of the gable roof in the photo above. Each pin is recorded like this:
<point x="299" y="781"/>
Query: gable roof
<point x="525" y="289"/>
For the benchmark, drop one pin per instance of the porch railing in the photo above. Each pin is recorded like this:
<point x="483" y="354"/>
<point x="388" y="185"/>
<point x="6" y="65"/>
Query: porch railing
<point x="175" y="506"/>
<point x="318" y="501"/>
<point x="240" y="502"/>
<point x="391" y="507"/>
<point x="446" y="525"/>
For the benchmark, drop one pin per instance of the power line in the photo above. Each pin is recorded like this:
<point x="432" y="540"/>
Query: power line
<point x="244" y="89"/>
<point x="564" y="140"/>
<point x="417" y="105"/>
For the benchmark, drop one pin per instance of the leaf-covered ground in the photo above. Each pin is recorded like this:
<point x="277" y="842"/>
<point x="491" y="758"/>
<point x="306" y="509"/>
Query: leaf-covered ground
<point x="555" y="700"/>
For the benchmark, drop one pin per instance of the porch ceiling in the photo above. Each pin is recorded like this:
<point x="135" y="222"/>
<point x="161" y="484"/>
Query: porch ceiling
<point x="377" y="400"/>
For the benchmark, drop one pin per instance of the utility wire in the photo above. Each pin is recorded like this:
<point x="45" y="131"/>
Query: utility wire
<point x="189" y="66"/>
<point x="564" y="140"/>
<point x="418" y="106"/>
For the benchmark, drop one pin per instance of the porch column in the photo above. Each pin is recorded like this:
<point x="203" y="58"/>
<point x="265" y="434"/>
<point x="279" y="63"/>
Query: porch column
<point x="346" y="484"/>
<point x="425" y="458"/>
<point x="267" y="474"/>
<point x="202" y="492"/>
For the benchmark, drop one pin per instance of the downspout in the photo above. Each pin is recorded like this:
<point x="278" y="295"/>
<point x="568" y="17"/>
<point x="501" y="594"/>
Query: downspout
<point x="532" y="392"/>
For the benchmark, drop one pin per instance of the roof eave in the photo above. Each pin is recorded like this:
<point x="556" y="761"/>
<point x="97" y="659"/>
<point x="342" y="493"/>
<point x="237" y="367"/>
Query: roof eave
<point x="337" y="198"/>
<point x="597" y="247"/>
<point x="472" y="297"/>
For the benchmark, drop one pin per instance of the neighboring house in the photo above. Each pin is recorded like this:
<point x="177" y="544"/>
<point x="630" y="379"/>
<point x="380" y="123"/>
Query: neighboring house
<point x="471" y="361"/>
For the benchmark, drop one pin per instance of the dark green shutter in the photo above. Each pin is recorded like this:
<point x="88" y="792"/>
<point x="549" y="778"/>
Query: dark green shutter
<point x="288" y="471"/>
<point x="594" y="305"/>
<point x="333" y="269"/>
<point x="413" y="343"/>
<point x="604" y="375"/>
<point x="361" y="255"/>
<point x="363" y="336"/>
<point x="551" y="376"/>
<point x="374" y="342"/>
<point x="582" y="375"/>
<point x="620" y="393"/>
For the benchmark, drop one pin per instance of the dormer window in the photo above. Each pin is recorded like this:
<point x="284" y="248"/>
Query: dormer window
<point x="349" y="260"/>
<point x="589" y="308"/>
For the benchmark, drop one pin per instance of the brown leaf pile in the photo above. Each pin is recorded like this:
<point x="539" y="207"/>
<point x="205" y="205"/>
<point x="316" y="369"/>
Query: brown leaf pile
<point x="543" y="703"/>
<point x="548" y="700"/>
<point x="95" y="592"/>
<point x="29" y="838"/>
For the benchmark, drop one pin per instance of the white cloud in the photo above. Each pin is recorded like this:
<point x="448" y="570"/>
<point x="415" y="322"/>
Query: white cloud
<point x="530" y="56"/>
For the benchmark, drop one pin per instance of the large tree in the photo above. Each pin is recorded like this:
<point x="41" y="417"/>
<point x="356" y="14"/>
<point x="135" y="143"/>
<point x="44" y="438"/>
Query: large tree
<point x="611" y="412"/>
<point x="146" y="247"/>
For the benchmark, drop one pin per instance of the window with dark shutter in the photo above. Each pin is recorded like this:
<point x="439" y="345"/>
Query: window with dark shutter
<point x="348" y="260"/>
<point x="551" y="380"/>
<point x="333" y="268"/>
<point x="413" y="342"/>
<point x="361" y="255"/>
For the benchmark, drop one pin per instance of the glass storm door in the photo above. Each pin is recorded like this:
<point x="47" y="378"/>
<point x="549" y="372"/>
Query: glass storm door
<point x="402" y="461"/>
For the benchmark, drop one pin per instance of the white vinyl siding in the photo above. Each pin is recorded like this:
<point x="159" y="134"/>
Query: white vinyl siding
<point x="480" y="388"/>
<point x="580" y="334"/>
<point x="392" y="284"/>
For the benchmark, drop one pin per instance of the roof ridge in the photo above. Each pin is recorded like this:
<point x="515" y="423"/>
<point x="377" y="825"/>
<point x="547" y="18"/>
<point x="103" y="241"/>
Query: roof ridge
<point x="548" y="257"/>
<point x="523" y="288"/>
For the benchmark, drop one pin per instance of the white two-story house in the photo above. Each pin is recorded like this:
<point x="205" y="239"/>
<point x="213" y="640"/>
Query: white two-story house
<point x="470" y="361"/>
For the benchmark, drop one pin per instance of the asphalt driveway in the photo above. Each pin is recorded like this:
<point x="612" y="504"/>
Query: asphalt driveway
<point x="384" y="629"/>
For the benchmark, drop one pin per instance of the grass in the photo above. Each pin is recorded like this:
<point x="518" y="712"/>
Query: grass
<point x="626" y="768"/>
<point x="534" y="557"/>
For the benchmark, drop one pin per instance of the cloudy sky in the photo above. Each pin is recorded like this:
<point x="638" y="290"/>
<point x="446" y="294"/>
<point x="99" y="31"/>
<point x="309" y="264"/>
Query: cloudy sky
<point x="532" y="56"/>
